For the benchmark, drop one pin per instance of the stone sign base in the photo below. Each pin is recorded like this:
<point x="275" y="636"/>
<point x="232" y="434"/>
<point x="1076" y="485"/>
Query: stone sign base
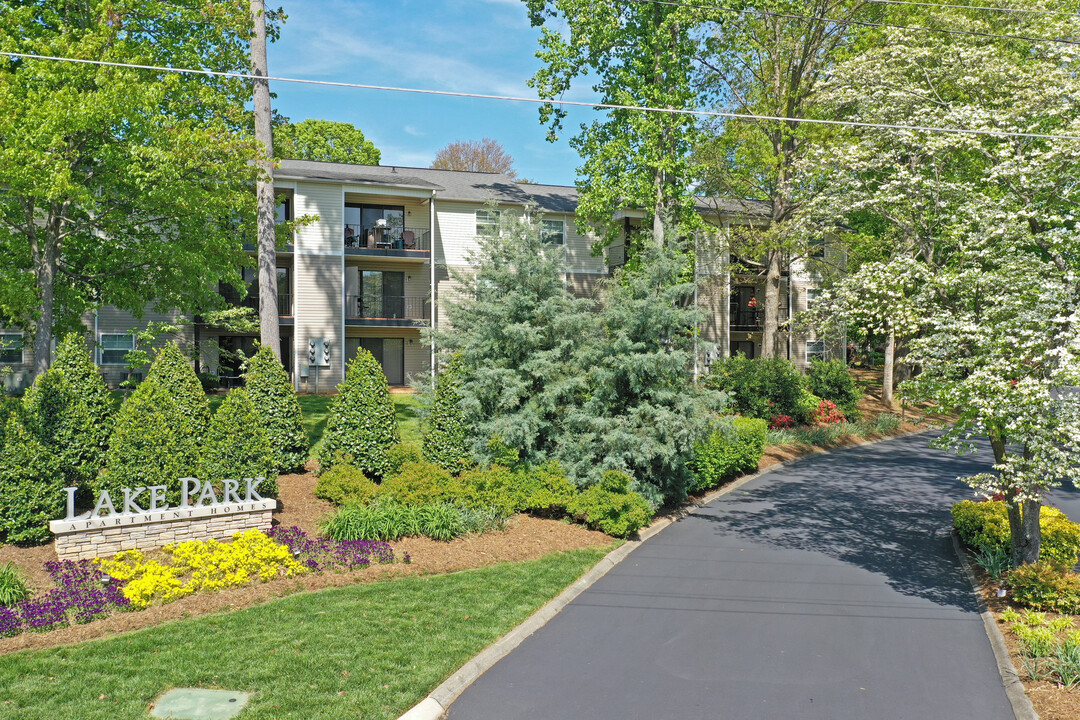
<point x="88" y="538"/>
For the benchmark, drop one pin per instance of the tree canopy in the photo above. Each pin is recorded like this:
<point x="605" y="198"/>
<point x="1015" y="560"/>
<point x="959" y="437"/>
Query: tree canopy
<point x="326" y="141"/>
<point x="122" y="186"/>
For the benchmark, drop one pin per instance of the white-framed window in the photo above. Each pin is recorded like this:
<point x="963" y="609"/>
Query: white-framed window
<point x="114" y="346"/>
<point x="552" y="231"/>
<point x="815" y="349"/>
<point x="812" y="295"/>
<point x="487" y="222"/>
<point x="11" y="347"/>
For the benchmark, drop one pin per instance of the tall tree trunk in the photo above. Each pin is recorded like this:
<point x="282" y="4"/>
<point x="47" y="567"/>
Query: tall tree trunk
<point x="771" y="328"/>
<point x="1024" y="530"/>
<point x="890" y="361"/>
<point x="43" y="255"/>
<point x="269" y="328"/>
<point x="658" y="208"/>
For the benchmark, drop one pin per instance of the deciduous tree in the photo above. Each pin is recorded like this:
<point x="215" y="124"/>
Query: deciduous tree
<point x="484" y="155"/>
<point x="326" y="141"/>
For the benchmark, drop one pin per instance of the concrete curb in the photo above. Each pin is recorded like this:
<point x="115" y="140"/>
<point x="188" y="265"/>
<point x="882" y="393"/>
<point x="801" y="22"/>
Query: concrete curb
<point x="435" y="705"/>
<point x="1014" y="689"/>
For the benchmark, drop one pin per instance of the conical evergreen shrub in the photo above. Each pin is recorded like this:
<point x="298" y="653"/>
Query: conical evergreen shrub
<point x="172" y="370"/>
<point x="278" y="411"/>
<point x="362" y="421"/>
<point x="70" y="411"/>
<point x="444" y="435"/>
<point x="31" y="485"/>
<point x="152" y="443"/>
<point x="237" y="446"/>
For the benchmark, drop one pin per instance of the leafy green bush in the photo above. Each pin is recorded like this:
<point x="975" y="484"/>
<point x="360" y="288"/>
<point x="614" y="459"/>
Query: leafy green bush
<point x="210" y="382"/>
<point x="419" y="483"/>
<point x="759" y="387"/>
<point x="490" y="487"/>
<point x="151" y="444"/>
<point x="985" y="526"/>
<point x="13" y="588"/>
<point x="362" y="420"/>
<point x="237" y="446"/>
<point x="171" y="370"/>
<point x="400" y="454"/>
<point x="728" y="452"/>
<point x="390" y="521"/>
<point x="808" y="404"/>
<point x="611" y="507"/>
<point x="275" y="402"/>
<point x="344" y="484"/>
<point x="543" y="489"/>
<point x="1046" y="586"/>
<point x="8" y="407"/>
<point x="830" y="380"/>
<point x="444" y="438"/>
<point x="32" y="485"/>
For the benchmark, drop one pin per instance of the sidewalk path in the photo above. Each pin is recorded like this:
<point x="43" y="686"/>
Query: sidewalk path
<point x="824" y="590"/>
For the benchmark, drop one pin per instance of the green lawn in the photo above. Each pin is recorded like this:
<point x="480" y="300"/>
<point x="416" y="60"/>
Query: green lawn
<point x="366" y="651"/>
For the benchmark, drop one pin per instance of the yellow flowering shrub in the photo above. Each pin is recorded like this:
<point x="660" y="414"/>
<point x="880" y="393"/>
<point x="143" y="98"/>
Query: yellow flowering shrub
<point x="201" y="565"/>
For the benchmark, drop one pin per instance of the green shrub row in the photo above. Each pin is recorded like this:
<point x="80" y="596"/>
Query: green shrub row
<point x="728" y="452"/>
<point x="1046" y="586"/>
<point x="984" y="526"/>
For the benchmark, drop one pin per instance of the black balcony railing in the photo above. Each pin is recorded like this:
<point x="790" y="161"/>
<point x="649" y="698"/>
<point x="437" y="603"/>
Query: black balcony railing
<point x="284" y="303"/>
<point x="747" y="319"/>
<point x="387" y="238"/>
<point x="387" y="307"/>
<point x="251" y="300"/>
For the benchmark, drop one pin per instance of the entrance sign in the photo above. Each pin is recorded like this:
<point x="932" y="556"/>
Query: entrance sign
<point x="141" y="518"/>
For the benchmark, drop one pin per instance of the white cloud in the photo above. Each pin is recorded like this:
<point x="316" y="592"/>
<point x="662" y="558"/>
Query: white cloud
<point x="410" y="130"/>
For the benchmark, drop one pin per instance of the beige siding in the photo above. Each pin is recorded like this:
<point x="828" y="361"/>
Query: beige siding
<point x="417" y="354"/>
<point x="579" y="257"/>
<point x="16" y="377"/>
<point x="319" y="289"/>
<point x="113" y="321"/>
<point x="455" y="232"/>
<point x="327" y="235"/>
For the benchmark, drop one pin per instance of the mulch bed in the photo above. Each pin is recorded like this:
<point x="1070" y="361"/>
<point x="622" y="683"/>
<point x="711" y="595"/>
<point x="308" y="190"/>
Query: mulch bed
<point x="1050" y="700"/>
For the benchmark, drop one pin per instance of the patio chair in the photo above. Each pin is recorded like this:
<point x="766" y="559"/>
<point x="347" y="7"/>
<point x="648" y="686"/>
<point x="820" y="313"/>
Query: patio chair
<point x="408" y="238"/>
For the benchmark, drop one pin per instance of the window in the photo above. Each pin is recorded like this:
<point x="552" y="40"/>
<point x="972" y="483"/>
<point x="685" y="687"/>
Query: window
<point x="487" y="222"/>
<point x="817" y="248"/>
<point x="815" y="349"/>
<point x="551" y="231"/>
<point x="812" y="295"/>
<point x="284" y="211"/>
<point x="11" y="345"/>
<point x="114" y="347"/>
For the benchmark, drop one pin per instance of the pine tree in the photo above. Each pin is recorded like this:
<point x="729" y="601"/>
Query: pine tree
<point x="277" y="409"/>
<point x="362" y="420"/>
<point x="444" y="437"/>
<point x="237" y="445"/>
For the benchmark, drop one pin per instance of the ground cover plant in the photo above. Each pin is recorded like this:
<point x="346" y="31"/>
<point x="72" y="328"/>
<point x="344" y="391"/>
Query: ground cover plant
<point x="407" y="635"/>
<point x="829" y="434"/>
<point x="1049" y="647"/>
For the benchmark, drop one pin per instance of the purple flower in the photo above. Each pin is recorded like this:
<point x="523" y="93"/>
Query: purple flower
<point x="322" y="554"/>
<point x="9" y="622"/>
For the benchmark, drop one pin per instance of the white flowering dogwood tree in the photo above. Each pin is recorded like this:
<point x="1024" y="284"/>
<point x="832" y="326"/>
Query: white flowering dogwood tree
<point x="983" y="229"/>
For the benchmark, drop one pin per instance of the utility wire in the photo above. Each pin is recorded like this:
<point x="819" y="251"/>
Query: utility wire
<point x="863" y="23"/>
<point x="988" y="8"/>
<point x="539" y="101"/>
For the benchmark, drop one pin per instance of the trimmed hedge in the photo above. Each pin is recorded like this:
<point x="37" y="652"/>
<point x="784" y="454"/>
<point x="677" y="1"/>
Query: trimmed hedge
<point x="31" y="486"/>
<point x="344" y="483"/>
<point x="444" y="436"/>
<point x="830" y="380"/>
<point x="362" y="420"/>
<point x="728" y="453"/>
<point x="610" y="507"/>
<point x="984" y="526"/>
<point x="759" y="387"/>
<point x="275" y="402"/>
<point x="172" y="371"/>
<point x="237" y="445"/>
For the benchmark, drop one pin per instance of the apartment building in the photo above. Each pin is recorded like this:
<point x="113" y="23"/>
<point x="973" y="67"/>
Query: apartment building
<point x="374" y="266"/>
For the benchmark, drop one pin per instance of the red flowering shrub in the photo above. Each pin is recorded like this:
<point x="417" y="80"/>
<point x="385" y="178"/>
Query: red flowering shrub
<point x="826" y="414"/>
<point x="782" y="422"/>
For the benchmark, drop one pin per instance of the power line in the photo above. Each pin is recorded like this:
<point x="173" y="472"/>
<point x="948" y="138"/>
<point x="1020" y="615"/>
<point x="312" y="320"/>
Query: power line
<point x="538" y="101"/>
<point x="862" y="23"/>
<point x="988" y="8"/>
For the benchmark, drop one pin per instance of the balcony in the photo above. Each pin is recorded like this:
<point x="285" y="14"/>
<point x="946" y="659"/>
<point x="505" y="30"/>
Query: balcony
<point x="746" y="320"/>
<point x="387" y="311"/>
<point x="391" y="242"/>
<point x="251" y="300"/>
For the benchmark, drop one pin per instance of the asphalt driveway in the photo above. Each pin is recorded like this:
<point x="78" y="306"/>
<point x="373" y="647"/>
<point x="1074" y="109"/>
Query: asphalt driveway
<point x="828" y="589"/>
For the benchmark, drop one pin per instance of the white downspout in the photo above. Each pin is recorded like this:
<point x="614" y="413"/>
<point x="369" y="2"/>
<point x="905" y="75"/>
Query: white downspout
<point x="431" y="264"/>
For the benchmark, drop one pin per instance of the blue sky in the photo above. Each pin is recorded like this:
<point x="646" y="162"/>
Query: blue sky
<point x="484" y="46"/>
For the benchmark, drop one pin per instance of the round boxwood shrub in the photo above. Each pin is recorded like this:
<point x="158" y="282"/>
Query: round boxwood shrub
<point x="172" y="370"/>
<point x="444" y="437"/>
<point x="830" y="380"/>
<point x="759" y="387"/>
<point x="544" y="489"/>
<point x="362" y="420"/>
<point x="152" y="443"/>
<point x="419" y="483"/>
<point x="32" y="485"/>
<point x="984" y="526"/>
<point x="490" y="487"/>
<point x="728" y="452"/>
<point x="344" y="483"/>
<point x="237" y="446"/>
<point x="399" y="454"/>
<point x="275" y="402"/>
<point x="611" y="507"/>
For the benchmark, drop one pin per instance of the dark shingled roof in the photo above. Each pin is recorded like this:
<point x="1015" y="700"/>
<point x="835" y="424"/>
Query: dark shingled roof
<point x="482" y="187"/>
